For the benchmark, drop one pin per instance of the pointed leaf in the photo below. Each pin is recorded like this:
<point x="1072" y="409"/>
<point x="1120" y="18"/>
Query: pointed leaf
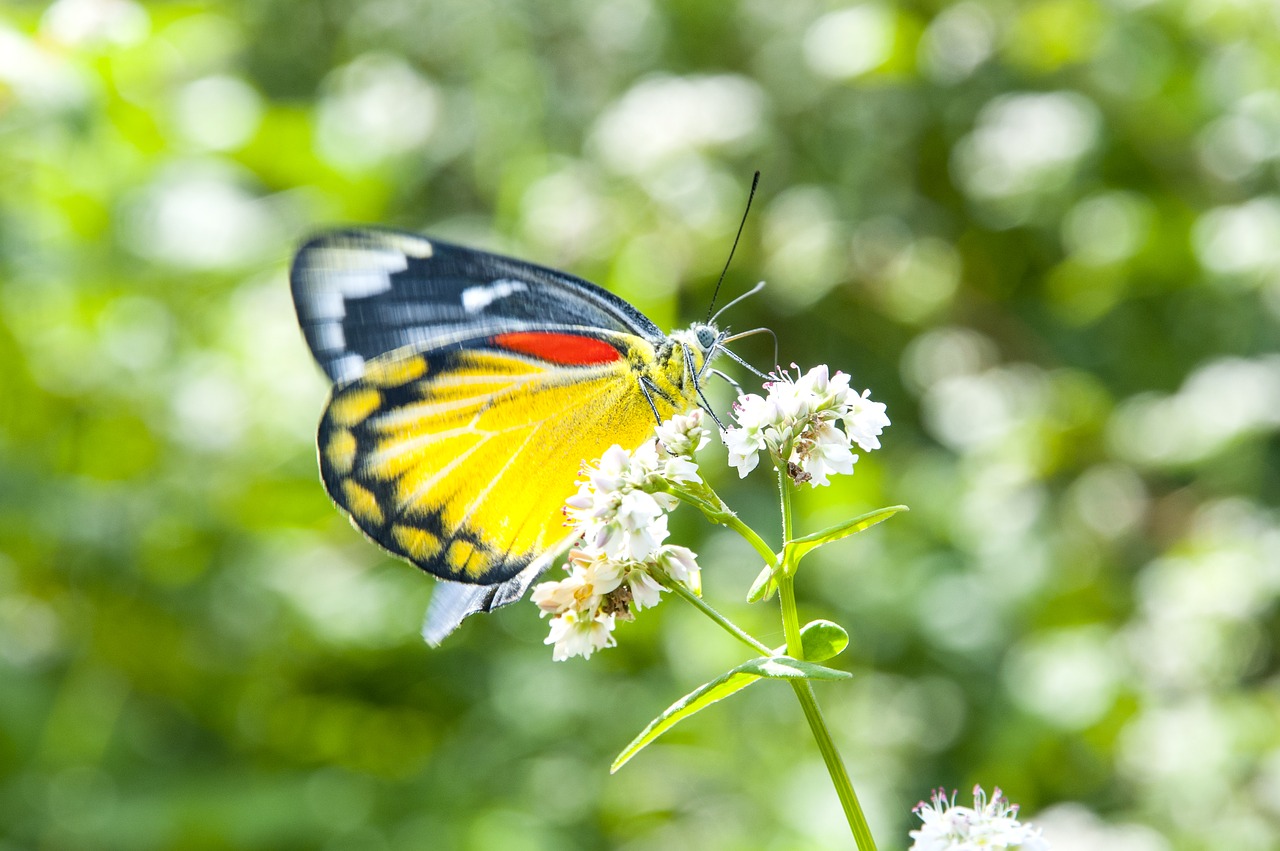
<point x="764" y="587"/>
<point x="765" y="667"/>
<point x="822" y="640"/>
<point x="802" y="546"/>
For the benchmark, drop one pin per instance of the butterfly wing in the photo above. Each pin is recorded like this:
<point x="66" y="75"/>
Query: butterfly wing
<point x="468" y="389"/>
<point x="363" y="293"/>
<point x="459" y="459"/>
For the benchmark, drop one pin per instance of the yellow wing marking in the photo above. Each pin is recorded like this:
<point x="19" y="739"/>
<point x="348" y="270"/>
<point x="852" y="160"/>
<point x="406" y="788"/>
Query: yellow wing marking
<point x="394" y="373"/>
<point x="461" y="554"/>
<point x="430" y="470"/>
<point x="470" y="511"/>
<point x="418" y="543"/>
<point x="351" y="406"/>
<point x="341" y="451"/>
<point x="394" y="457"/>
<point x="455" y="400"/>
<point x="361" y="502"/>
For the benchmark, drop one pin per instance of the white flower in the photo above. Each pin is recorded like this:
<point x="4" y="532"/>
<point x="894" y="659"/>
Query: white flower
<point x="577" y="633"/>
<point x="612" y="515"/>
<point x="684" y="434"/>
<point x="555" y="597"/>
<point x="644" y="589"/>
<point x="591" y="576"/>
<point x="622" y="499"/>
<point x="823" y="449"/>
<point x="681" y="564"/>
<point x="653" y="467"/>
<point x="987" y="825"/>
<point x="600" y="590"/>
<point x="865" y="420"/>
<point x="796" y="423"/>
<point x="620" y="515"/>
<point x="641" y="527"/>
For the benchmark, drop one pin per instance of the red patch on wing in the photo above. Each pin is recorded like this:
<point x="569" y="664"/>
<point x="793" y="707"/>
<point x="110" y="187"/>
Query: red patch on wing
<point x="569" y="349"/>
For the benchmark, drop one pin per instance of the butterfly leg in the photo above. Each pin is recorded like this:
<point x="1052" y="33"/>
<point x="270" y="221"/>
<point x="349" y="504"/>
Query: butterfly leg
<point x="706" y="406"/>
<point x="648" y="388"/>
<point x="737" y="388"/>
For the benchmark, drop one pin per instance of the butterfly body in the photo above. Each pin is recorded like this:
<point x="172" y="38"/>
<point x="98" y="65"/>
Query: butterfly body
<point x="468" y="390"/>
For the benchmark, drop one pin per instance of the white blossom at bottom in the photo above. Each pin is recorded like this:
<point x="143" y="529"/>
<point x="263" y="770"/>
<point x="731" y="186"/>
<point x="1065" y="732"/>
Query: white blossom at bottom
<point x="987" y="824"/>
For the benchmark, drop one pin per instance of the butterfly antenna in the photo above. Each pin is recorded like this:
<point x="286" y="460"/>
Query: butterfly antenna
<point x="753" y="332"/>
<point x="755" y="181"/>
<point x="757" y="288"/>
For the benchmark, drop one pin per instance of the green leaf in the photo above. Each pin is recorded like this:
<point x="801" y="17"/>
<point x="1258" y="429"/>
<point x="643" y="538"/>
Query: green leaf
<point x="735" y="680"/>
<point x="803" y="546"/>
<point x="764" y="587"/>
<point x="822" y="640"/>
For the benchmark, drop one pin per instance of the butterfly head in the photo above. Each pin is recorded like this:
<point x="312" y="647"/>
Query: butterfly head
<point x="708" y="338"/>
<point x="696" y="346"/>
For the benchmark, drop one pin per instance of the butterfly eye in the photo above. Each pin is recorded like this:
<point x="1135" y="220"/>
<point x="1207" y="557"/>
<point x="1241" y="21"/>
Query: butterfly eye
<point x="706" y="338"/>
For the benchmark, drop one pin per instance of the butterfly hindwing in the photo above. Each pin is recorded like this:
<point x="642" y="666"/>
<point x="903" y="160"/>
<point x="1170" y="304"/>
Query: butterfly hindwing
<point x="363" y="293"/>
<point x="459" y="458"/>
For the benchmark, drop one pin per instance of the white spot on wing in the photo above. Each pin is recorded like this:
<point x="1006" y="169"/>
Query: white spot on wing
<point x="349" y="367"/>
<point x="329" y="337"/>
<point x="477" y="298"/>
<point x="326" y="304"/>
<point x="341" y="268"/>
<point x="363" y="283"/>
<point x="412" y="246"/>
<point x="359" y="271"/>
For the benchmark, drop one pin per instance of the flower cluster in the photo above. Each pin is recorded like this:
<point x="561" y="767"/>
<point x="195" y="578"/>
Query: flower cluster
<point x="796" y="423"/>
<point x="600" y="590"/>
<point x="986" y="825"/>
<point x="620" y="514"/>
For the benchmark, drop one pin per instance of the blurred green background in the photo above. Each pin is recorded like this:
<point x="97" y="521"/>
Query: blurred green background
<point x="1046" y="233"/>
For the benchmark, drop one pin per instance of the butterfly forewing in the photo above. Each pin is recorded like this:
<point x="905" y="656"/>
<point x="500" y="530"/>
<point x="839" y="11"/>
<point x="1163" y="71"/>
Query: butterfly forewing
<point x="364" y="293"/>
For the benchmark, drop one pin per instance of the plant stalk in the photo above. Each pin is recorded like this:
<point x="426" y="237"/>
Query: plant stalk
<point x="804" y="689"/>
<point x="724" y="623"/>
<point x="835" y="766"/>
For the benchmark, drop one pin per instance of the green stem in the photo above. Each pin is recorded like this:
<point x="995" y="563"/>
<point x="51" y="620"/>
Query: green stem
<point x="790" y="615"/>
<point x="721" y="514"/>
<point x="835" y="766"/>
<point x="784" y="491"/>
<point x="804" y="690"/>
<point x="757" y="543"/>
<point x="723" y="622"/>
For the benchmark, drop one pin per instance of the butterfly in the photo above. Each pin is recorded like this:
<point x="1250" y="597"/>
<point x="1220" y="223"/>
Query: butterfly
<point x="468" y="390"/>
